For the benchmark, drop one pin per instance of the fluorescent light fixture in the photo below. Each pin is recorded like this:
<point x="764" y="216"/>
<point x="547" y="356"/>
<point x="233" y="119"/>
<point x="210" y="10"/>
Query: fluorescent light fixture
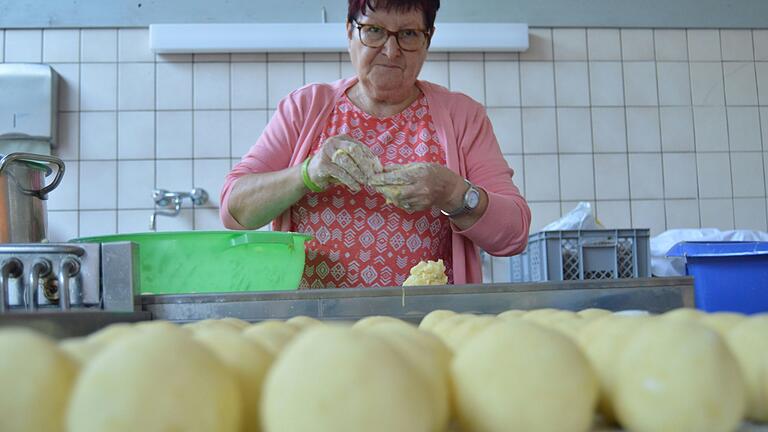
<point x="326" y="37"/>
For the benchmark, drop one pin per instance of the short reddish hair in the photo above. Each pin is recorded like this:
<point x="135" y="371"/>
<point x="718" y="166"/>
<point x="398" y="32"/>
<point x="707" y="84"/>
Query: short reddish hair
<point x="427" y="7"/>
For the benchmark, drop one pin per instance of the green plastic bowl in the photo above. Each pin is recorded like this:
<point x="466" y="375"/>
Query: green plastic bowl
<point x="215" y="261"/>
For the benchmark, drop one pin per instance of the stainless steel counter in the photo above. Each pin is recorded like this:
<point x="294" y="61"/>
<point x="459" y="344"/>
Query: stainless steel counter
<point x="412" y="303"/>
<point x="408" y="303"/>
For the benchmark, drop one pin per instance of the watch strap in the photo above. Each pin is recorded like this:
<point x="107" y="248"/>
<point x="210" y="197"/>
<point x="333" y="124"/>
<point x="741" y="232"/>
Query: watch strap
<point x="462" y="209"/>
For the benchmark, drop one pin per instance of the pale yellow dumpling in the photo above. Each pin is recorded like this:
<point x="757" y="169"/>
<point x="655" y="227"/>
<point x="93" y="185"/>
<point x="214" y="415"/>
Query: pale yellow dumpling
<point x="603" y="340"/>
<point x="749" y="343"/>
<point x="433" y="318"/>
<point x="682" y="314"/>
<point x="722" y="322"/>
<point x="677" y="375"/>
<point x="248" y="362"/>
<point x="237" y="322"/>
<point x="271" y="335"/>
<point x="215" y="324"/>
<point x="593" y="313"/>
<point x="36" y="379"/>
<point x="512" y="314"/>
<point x="81" y="349"/>
<point x="156" y="380"/>
<point x="373" y="321"/>
<point x="302" y="322"/>
<point x="520" y="376"/>
<point x="341" y="379"/>
<point x="429" y="357"/>
<point x="465" y="330"/>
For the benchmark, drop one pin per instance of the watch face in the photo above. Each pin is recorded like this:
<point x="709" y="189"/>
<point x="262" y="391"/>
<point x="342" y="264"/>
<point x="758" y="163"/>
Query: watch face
<point x="473" y="198"/>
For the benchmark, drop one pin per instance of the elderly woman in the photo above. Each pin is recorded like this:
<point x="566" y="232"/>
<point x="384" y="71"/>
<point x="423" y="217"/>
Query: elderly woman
<point x="384" y="170"/>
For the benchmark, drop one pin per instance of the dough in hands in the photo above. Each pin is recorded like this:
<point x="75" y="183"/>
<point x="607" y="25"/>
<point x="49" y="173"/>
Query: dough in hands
<point x="36" y="378"/>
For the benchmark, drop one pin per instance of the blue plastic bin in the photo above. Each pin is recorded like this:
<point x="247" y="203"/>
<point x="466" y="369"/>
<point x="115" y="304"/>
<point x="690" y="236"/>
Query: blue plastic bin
<point x="728" y="276"/>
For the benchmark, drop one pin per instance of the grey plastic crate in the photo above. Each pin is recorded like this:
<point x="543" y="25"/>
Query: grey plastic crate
<point x="586" y="254"/>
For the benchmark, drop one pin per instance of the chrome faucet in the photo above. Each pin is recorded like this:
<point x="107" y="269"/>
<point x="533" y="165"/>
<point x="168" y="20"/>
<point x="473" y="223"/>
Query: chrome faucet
<point x="170" y="203"/>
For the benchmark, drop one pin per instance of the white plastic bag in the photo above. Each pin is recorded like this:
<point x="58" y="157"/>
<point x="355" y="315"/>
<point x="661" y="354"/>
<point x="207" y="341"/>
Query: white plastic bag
<point x="580" y="218"/>
<point x="661" y="265"/>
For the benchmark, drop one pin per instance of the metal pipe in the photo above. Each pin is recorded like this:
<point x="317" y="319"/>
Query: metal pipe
<point x="68" y="268"/>
<point x="164" y="198"/>
<point x="41" y="268"/>
<point x="11" y="268"/>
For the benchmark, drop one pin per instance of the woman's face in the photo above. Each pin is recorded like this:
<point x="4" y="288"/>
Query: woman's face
<point x="388" y="71"/>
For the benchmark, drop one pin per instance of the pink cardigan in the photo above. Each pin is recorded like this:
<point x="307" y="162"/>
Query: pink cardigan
<point x="471" y="150"/>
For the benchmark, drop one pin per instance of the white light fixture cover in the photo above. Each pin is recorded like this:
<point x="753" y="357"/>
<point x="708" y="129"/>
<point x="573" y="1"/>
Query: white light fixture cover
<point x="326" y="37"/>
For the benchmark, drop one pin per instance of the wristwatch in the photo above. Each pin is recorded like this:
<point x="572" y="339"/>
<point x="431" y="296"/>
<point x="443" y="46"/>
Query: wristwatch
<point x="470" y="202"/>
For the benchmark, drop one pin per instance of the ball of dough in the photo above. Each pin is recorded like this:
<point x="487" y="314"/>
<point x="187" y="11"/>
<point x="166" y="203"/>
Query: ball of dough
<point x="535" y="313"/>
<point x="546" y="316"/>
<point x="36" y="378"/>
<point x="111" y="333"/>
<point x="271" y="335"/>
<point x="302" y="322"/>
<point x="512" y="314"/>
<point x="155" y="381"/>
<point x="433" y="318"/>
<point x="429" y="357"/>
<point x="592" y="313"/>
<point x="237" y="322"/>
<point x="248" y="362"/>
<point x="677" y="375"/>
<point x="466" y="329"/>
<point x="603" y="340"/>
<point x="517" y="375"/>
<point x="570" y="327"/>
<point x="682" y="314"/>
<point x="81" y="349"/>
<point x="373" y="321"/>
<point x="749" y="343"/>
<point x="446" y="326"/>
<point x="216" y="324"/>
<point x="340" y="379"/>
<point x="722" y="322"/>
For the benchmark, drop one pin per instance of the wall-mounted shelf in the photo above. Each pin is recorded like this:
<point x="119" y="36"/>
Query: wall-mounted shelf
<point x="326" y="37"/>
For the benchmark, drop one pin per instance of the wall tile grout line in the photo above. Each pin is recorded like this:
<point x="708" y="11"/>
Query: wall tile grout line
<point x="760" y="125"/>
<point x="626" y="128"/>
<point x="591" y="124"/>
<point x="661" y="131"/>
<point x="727" y="128"/>
<point x="117" y="123"/>
<point x="695" y="137"/>
<point x="557" y="132"/>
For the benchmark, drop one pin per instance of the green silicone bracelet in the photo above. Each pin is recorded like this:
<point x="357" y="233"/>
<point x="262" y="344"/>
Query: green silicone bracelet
<point x="305" y="176"/>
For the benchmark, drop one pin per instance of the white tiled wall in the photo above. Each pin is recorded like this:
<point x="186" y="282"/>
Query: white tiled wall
<point x="657" y="128"/>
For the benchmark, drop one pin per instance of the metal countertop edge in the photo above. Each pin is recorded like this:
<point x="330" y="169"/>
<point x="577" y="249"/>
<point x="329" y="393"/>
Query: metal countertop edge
<point x="635" y="283"/>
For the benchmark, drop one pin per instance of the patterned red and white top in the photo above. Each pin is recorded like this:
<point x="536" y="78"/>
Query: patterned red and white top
<point x="360" y="241"/>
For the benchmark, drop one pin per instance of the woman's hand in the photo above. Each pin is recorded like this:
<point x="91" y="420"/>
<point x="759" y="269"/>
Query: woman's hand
<point x="341" y="158"/>
<point x="420" y="186"/>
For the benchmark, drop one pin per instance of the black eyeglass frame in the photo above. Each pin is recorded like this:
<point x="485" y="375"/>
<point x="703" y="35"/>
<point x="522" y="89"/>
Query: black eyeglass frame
<point x="427" y="36"/>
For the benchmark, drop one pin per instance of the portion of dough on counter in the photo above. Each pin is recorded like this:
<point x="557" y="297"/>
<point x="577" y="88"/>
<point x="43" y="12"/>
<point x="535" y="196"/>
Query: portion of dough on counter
<point x="427" y="273"/>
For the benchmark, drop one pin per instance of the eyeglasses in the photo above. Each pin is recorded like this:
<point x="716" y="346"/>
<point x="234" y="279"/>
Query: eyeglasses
<point x="374" y="36"/>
